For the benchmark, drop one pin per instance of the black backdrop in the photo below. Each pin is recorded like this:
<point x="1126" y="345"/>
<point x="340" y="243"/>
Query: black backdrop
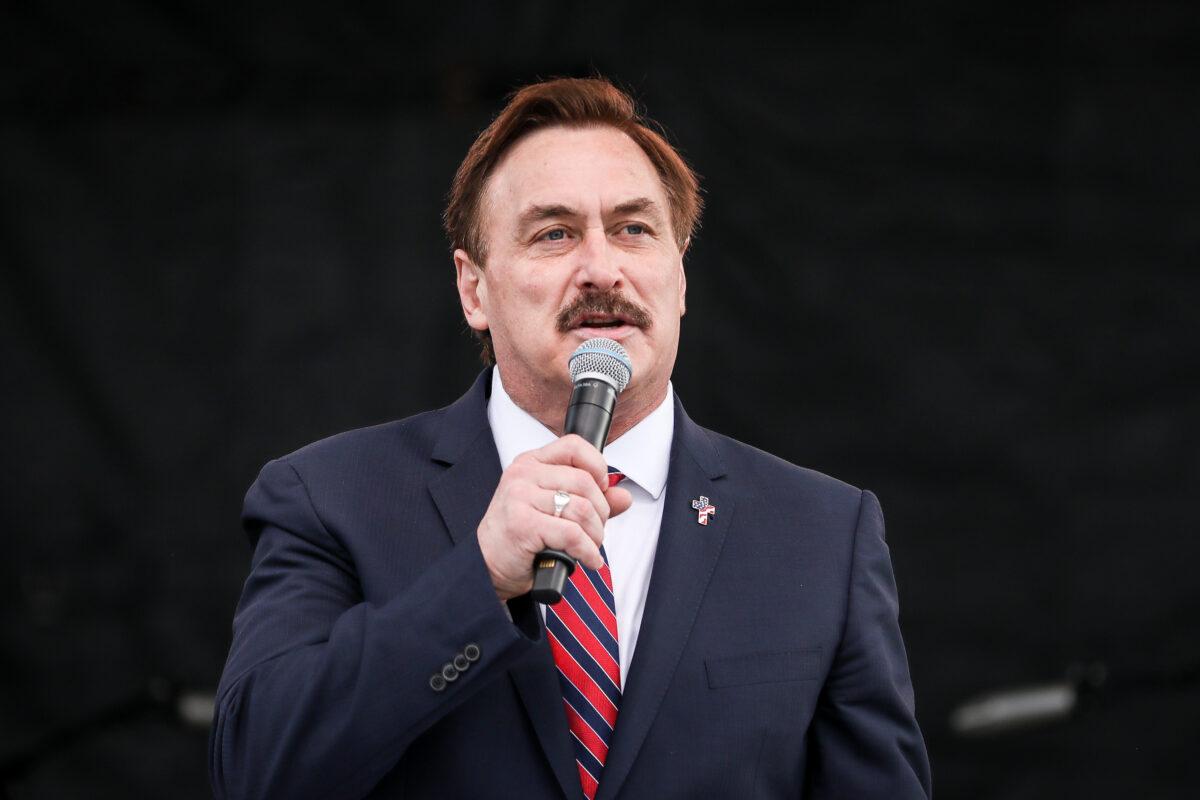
<point x="949" y="255"/>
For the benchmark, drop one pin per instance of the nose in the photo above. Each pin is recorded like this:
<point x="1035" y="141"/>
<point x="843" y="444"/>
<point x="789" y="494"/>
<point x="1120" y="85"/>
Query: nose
<point x="599" y="266"/>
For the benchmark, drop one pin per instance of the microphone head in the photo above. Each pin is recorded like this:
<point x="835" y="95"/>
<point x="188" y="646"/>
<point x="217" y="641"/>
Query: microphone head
<point x="604" y="359"/>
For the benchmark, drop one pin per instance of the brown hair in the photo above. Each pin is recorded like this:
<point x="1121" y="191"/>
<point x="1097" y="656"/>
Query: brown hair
<point x="568" y="102"/>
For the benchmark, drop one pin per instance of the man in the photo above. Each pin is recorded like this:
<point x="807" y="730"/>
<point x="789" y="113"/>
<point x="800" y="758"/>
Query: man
<point x="731" y="630"/>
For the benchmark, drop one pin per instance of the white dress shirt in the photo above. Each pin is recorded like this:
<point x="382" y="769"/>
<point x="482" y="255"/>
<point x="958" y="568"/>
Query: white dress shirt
<point x="643" y="454"/>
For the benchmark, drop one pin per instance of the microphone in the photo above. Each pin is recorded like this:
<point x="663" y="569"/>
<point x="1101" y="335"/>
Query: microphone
<point x="600" y="369"/>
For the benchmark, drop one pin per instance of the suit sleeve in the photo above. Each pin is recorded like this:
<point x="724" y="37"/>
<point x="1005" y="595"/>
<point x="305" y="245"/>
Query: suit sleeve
<point x="323" y="692"/>
<point x="864" y="742"/>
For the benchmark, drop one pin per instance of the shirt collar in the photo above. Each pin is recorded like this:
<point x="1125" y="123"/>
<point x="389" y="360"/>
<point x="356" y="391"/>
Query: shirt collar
<point x="643" y="453"/>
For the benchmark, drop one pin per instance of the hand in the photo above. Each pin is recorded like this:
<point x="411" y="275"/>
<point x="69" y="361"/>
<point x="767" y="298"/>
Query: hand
<point x="520" y="522"/>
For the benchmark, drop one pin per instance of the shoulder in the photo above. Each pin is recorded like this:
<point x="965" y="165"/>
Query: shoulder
<point x="347" y="459"/>
<point x="421" y="438"/>
<point x="343" y="478"/>
<point x="780" y="495"/>
<point x="409" y="438"/>
<point x="772" y="474"/>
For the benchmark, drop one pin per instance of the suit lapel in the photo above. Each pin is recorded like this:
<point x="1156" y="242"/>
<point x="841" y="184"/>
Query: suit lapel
<point x="465" y="446"/>
<point x="462" y="492"/>
<point x="683" y="563"/>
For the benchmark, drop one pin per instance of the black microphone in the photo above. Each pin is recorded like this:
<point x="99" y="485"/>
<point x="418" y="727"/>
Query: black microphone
<point x="600" y="370"/>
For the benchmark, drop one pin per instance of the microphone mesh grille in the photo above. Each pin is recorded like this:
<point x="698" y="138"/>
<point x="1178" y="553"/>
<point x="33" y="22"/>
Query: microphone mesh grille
<point x="603" y="356"/>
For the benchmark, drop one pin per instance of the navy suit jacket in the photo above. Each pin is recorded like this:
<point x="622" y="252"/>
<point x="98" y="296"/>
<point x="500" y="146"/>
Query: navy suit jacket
<point x="769" y="664"/>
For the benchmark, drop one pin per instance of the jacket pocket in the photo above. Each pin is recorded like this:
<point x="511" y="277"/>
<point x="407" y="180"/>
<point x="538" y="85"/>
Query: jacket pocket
<point x="744" y="670"/>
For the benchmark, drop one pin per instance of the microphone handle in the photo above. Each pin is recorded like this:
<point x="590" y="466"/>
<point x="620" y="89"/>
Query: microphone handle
<point x="589" y="414"/>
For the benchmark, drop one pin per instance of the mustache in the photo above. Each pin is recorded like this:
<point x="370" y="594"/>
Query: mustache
<point x="606" y="301"/>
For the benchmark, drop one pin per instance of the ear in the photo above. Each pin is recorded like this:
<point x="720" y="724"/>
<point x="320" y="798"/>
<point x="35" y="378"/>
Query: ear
<point x="683" y="279"/>
<point x="472" y="290"/>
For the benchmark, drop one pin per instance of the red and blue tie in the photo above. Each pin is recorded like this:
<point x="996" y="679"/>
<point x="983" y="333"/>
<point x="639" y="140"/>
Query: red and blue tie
<point x="583" y="638"/>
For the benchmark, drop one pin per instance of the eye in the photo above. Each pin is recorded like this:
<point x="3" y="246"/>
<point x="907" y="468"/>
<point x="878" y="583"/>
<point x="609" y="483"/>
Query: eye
<point x="556" y="235"/>
<point x="634" y="229"/>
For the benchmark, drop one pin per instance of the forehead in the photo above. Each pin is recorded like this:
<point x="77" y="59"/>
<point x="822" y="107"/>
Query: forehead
<point x="589" y="168"/>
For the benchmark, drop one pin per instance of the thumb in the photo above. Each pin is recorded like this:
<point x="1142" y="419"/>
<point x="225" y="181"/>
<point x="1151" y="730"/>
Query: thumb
<point x="619" y="499"/>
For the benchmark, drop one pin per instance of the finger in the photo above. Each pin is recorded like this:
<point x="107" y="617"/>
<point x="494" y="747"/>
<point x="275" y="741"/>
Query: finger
<point x="573" y="451"/>
<point x="619" y="500"/>
<point x="572" y="480"/>
<point x="565" y="535"/>
<point x="581" y="512"/>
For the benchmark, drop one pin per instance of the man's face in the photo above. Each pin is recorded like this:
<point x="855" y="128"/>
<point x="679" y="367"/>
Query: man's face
<point x="576" y="221"/>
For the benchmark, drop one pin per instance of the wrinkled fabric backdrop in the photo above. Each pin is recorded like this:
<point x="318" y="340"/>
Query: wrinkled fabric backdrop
<point x="949" y="255"/>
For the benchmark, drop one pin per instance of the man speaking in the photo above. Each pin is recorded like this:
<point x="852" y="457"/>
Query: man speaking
<point x="730" y="628"/>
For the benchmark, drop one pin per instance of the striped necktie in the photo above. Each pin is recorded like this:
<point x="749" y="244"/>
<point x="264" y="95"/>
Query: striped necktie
<point x="583" y="638"/>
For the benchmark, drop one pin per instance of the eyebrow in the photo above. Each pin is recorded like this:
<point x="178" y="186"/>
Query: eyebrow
<point x="539" y="213"/>
<point x="640" y="205"/>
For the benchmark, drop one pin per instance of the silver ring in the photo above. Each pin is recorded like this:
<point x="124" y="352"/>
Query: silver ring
<point x="561" y="499"/>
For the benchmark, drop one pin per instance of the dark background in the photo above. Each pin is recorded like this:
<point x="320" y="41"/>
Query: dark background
<point x="949" y="255"/>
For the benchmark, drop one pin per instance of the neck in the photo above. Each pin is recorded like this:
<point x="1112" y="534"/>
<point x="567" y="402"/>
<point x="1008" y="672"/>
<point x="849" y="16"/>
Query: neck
<point x="548" y="404"/>
<point x="633" y="407"/>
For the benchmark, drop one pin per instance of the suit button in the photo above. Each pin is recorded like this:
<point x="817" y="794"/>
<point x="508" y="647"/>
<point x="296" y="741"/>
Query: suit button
<point x="461" y="663"/>
<point x="449" y="672"/>
<point x="472" y="652"/>
<point x="437" y="682"/>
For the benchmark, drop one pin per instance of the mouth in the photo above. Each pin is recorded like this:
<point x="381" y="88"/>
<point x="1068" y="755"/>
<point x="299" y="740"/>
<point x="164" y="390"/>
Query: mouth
<point x="608" y="314"/>
<point x="609" y="326"/>
<point x="600" y="322"/>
